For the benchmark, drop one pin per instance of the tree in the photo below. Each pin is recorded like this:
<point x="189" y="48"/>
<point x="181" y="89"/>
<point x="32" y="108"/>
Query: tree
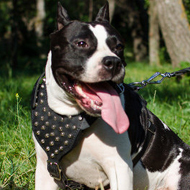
<point x="175" y="29"/>
<point x="40" y="16"/>
<point x="154" y="36"/>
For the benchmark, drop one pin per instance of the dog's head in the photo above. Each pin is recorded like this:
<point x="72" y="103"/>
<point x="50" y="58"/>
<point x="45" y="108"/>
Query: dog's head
<point x="86" y="58"/>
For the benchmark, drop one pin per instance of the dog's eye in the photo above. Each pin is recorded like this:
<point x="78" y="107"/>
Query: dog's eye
<point x="119" y="47"/>
<point x="82" y="44"/>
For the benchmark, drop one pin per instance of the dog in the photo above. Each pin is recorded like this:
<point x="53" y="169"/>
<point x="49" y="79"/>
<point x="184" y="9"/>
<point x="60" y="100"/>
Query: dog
<point x="124" y="146"/>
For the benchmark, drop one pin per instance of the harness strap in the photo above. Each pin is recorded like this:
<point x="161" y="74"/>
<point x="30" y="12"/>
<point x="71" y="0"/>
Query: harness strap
<point x="57" y="134"/>
<point x="150" y="131"/>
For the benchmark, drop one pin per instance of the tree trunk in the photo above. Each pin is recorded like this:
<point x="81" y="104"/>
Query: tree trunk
<point x="90" y="10"/>
<point x="154" y="36"/>
<point x="111" y="8"/>
<point x="175" y="29"/>
<point x="39" y="24"/>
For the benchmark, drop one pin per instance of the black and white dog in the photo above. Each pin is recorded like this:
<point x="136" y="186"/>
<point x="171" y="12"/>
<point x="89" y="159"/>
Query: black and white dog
<point x="126" y="146"/>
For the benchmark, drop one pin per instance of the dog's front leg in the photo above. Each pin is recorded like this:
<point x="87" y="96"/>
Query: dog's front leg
<point x="43" y="180"/>
<point x="120" y="174"/>
<point x="118" y="165"/>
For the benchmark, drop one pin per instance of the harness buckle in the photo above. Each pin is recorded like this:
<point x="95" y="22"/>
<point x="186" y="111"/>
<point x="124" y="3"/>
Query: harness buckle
<point x="54" y="170"/>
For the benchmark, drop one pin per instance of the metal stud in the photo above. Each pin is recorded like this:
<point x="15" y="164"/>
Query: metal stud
<point x="37" y="132"/>
<point x="52" y="134"/>
<point x="42" y="118"/>
<point x="70" y="116"/>
<point x="41" y="101"/>
<point x="66" y="143"/>
<point x="62" y="119"/>
<point x="52" y="155"/>
<point x="42" y="86"/>
<point x="44" y="79"/>
<point x="43" y="127"/>
<point x="49" y="113"/>
<point x="47" y="148"/>
<point x="47" y="135"/>
<point x="57" y="139"/>
<point x="67" y="126"/>
<point x="53" y="126"/>
<point x="51" y="143"/>
<point x="70" y="136"/>
<point x="56" y="151"/>
<point x="47" y="123"/>
<point x="55" y="118"/>
<point x="42" y="141"/>
<point x="36" y="113"/>
<point x="62" y="134"/>
<point x="80" y="118"/>
<point x="60" y="128"/>
<point x="36" y="124"/>
<point x="36" y="104"/>
<point x="61" y="148"/>
<point x="41" y="94"/>
<point x="44" y="109"/>
<point x="74" y="127"/>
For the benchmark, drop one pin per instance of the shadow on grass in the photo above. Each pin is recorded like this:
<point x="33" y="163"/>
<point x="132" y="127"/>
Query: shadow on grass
<point x="13" y="186"/>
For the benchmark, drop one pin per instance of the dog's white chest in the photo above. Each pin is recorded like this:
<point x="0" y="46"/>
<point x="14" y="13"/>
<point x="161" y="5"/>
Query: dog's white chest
<point x="98" y="157"/>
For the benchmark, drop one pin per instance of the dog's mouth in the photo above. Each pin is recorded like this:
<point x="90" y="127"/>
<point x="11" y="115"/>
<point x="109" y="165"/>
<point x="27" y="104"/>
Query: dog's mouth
<point x="97" y="99"/>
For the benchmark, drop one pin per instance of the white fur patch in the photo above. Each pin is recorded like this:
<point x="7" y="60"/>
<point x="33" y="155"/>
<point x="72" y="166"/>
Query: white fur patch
<point x="168" y="179"/>
<point x="58" y="100"/>
<point x="93" y="64"/>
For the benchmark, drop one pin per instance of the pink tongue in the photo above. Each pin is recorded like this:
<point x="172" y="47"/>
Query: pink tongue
<point x="112" y="110"/>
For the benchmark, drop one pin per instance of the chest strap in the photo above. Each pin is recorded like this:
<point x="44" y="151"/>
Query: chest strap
<point x="56" y="134"/>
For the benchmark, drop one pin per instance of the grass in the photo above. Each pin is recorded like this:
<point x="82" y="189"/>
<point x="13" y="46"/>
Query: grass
<point x="170" y="101"/>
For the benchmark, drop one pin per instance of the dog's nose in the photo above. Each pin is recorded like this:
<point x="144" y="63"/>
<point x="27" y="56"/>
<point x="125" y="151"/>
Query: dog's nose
<point x="111" y="63"/>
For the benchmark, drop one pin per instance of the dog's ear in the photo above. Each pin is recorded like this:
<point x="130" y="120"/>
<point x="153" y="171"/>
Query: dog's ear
<point x="103" y="14"/>
<point x="62" y="17"/>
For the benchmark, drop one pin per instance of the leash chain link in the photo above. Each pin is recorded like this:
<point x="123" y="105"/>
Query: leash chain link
<point x="139" y="85"/>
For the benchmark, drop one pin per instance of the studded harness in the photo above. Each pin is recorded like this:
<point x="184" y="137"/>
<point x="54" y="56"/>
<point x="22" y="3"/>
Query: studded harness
<point x="57" y="134"/>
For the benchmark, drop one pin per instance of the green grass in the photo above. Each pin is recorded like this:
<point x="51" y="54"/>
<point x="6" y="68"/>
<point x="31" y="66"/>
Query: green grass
<point x="170" y="101"/>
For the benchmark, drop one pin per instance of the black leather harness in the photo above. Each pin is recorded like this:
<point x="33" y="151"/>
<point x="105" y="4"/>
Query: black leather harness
<point x="59" y="134"/>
